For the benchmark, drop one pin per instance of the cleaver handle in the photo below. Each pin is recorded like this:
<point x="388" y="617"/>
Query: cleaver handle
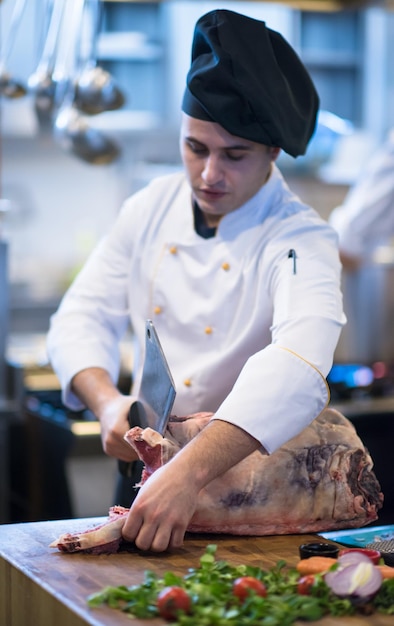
<point x="136" y="417"/>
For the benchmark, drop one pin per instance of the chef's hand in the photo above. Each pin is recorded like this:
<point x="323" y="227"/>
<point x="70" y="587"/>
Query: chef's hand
<point x="95" y="389"/>
<point x="161" y="513"/>
<point x="114" y="425"/>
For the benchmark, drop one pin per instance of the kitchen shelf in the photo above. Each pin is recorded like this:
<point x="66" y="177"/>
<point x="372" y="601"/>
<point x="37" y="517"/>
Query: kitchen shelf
<point x="131" y="121"/>
<point x="331" y="46"/>
<point x="333" y="59"/>
<point x="127" y="46"/>
<point x="131" y="48"/>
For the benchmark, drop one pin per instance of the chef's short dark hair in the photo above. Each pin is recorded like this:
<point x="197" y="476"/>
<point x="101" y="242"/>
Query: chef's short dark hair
<point x="247" y="78"/>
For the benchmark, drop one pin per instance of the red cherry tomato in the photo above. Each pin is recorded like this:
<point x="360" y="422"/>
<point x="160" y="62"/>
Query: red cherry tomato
<point x="171" y="600"/>
<point x="304" y="584"/>
<point x="245" y="585"/>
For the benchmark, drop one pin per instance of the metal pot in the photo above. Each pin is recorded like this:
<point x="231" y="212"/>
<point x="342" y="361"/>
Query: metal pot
<point x="369" y="306"/>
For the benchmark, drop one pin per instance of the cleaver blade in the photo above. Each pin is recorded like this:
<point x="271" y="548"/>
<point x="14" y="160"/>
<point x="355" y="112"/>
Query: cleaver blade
<point x="156" y="395"/>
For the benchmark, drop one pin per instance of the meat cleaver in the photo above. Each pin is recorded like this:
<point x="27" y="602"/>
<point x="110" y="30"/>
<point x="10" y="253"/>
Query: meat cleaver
<point x="157" y="391"/>
<point x="156" y="395"/>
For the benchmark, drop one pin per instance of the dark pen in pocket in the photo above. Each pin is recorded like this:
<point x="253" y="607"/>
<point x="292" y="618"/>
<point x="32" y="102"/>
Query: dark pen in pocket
<point x="292" y="255"/>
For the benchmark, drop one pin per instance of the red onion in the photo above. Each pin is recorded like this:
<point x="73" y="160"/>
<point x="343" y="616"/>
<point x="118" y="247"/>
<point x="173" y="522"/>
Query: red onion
<point x="374" y="555"/>
<point x="353" y="557"/>
<point x="356" y="578"/>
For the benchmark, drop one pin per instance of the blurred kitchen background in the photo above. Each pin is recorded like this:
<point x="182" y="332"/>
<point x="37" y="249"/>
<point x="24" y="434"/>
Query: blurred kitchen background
<point x="65" y="171"/>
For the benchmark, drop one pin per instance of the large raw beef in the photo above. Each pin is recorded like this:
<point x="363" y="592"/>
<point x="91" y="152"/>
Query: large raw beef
<point x="320" y="480"/>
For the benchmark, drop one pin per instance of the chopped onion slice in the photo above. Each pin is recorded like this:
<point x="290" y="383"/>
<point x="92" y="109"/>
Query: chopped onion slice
<point x="356" y="577"/>
<point x="353" y="557"/>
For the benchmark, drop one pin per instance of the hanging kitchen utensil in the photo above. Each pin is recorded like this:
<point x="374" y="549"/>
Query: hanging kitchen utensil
<point x="96" y="90"/>
<point x="71" y="128"/>
<point x="74" y="133"/>
<point x="67" y="49"/>
<point x="41" y="82"/>
<point x="9" y="86"/>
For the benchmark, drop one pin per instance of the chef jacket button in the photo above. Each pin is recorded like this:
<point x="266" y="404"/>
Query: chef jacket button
<point x="187" y="382"/>
<point x="157" y="310"/>
<point x="173" y="249"/>
<point x="225" y="266"/>
<point x="208" y="330"/>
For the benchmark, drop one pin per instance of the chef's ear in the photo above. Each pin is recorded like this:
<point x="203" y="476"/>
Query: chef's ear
<point x="274" y="152"/>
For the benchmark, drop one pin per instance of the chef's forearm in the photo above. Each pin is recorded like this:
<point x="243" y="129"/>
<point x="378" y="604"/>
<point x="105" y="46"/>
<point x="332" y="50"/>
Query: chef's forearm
<point x="95" y="389"/>
<point x="217" y="448"/>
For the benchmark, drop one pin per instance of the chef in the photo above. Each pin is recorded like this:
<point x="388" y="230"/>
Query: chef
<point x="241" y="278"/>
<point x="365" y="219"/>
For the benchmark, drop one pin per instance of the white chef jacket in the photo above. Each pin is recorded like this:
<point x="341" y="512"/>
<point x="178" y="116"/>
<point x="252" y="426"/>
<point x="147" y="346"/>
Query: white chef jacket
<point x="366" y="217"/>
<point x="249" y="331"/>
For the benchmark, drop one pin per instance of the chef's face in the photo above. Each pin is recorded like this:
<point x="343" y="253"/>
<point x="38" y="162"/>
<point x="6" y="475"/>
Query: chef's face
<point x="223" y="170"/>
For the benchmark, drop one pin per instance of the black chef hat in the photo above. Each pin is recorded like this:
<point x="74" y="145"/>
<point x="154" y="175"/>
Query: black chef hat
<point x="248" y="79"/>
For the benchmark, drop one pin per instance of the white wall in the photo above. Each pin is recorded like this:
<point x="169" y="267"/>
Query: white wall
<point x="60" y="207"/>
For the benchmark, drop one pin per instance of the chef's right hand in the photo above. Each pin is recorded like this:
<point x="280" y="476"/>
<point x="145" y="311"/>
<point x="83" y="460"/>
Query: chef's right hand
<point x="96" y="390"/>
<point x="114" y="425"/>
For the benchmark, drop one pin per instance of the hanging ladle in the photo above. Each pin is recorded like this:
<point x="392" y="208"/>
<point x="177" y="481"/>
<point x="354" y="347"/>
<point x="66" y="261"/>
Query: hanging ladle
<point x="9" y="87"/>
<point x="96" y="90"/>
<point x="41" y="83"/>
<point x="89" y="144"/>
<point x="71" y="128"/>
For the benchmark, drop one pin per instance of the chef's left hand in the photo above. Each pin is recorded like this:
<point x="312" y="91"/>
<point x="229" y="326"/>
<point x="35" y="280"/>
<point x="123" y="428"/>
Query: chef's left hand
<point x="161" y="512"/>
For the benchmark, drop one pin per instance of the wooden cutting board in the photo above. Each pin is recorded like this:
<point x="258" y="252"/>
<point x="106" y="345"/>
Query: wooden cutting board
<point x="40" y="586"/>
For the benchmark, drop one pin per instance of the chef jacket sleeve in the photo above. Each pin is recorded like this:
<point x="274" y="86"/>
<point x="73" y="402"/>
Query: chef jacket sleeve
<point x="96" y="311"/>
<point x="282" y="388"/>
<point x="93" y="315"/>
<point x="294" y="393"/>
<point x="366" y="217"/>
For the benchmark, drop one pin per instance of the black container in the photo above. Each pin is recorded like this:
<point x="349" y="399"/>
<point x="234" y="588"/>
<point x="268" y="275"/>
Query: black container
<point x="318" y="549"/>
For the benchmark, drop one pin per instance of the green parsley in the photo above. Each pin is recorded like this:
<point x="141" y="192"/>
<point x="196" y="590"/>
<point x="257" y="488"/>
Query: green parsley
<point x="214" y="604"/>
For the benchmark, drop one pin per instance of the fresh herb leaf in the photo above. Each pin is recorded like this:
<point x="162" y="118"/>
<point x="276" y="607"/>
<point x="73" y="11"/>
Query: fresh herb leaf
<point x="384" y="599"/>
